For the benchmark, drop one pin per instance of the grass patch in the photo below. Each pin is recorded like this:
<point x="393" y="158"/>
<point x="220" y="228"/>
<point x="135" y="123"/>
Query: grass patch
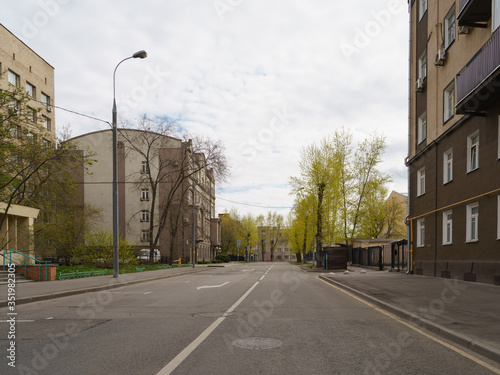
<point x="130" y="268"/>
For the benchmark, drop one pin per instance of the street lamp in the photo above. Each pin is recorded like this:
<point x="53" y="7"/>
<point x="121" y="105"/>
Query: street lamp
<point x="140" y="54"/>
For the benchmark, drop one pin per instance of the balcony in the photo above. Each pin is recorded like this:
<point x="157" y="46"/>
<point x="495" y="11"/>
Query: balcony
<point x="478" y="83"/>
<point x="474" y="13"/>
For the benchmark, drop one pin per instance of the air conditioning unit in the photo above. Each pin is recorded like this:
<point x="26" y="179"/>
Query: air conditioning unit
<point x="49" y="108"/>
<point x="185" y="220"/>
<point x="419" y="85"/>
<point x="440" y="57"/>
<point x="463" y="30"/>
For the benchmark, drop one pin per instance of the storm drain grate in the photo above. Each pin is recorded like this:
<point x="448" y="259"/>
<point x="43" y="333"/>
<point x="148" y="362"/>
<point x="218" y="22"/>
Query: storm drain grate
<point x="259" y="343"/>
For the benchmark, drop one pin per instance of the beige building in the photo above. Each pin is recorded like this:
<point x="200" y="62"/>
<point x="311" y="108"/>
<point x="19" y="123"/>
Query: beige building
<point x="21" y="67"/>
<point x="156" y="175"/>
<point x="454" y="152"/>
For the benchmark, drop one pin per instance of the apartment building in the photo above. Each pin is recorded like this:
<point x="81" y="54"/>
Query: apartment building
<point x="454" y="148"/>
<point x="22" y="68"/>
<point x="156" y="177"/>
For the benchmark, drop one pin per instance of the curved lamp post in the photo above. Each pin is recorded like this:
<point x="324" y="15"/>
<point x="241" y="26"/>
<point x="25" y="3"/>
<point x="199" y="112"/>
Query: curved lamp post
<point x="141" y="55"/>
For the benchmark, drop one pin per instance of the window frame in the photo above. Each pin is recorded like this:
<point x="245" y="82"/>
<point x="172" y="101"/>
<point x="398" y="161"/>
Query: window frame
<point x="421" y="182"/>
<point x="447" y="166"/>
<point x="472" y="225"/>
<point x="449" y="101"/>
<point x="470" y="153"/>
<point x="422" y="128"/>
<point x="31" y="93"/>
<point x="450" y="26"/>
<point x="145" y="195"/>
<point x="421" y="232"/>
<point x="144" y="216"/>
<point x="447" y="224"/>
<point x="145" y="235"/>
<point x="144" y="167"/>
<point x="422" y="65"/>
<point x="17" y="78"/>
<point x="45" y="99"/>
<point x="495" y="15"/>
<point x="422" y="8"/>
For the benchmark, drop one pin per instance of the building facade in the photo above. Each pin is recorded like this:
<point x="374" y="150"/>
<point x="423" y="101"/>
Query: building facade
<point x="454" y="130"/>
<point x="162" y="187"/>
<point x="22" y="68"/>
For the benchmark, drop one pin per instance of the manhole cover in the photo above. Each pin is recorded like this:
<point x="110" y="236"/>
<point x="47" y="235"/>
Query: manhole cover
<point x="212" y="314"/>
<point x="257" y="343"/>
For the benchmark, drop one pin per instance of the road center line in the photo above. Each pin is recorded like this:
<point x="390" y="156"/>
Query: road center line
<point x="174" y="363"/>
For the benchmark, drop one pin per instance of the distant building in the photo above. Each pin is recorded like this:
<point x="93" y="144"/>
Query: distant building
<point x="454" y="152"/>
<point x="171" y="162"/>
<point x="22" y="68"/>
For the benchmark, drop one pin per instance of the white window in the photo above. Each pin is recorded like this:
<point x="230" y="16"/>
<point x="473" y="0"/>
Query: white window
<point x="449" y="102"/>
<point x="472" y="222"/>
<point x="421" y="182"/>
<point x="145" y="216"/>
<point x="448" y="166"/>
<point x="46" y="122"/>
<point x="145" y="236"/>
<point x="422" y="128"/>
<point x="30" y="90"/>
<point x="449" y="27"/>
<point x="144" y="168"/>
<point x="13" y="78"/>
<point x="422" y="66"/>
<point x="420" y="232"/>
<point x="46" y="143"/>
<point x="144" y="194"/>
<point x="473" y="152"/>
<point x="45" y="99"/>
<point x="422" y="8"/>
<point x="495" y="15"/>
<point x="447" y="227"/>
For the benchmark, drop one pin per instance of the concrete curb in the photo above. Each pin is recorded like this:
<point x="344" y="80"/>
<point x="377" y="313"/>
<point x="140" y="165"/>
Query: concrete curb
<point x="44" y="297"/>
<point x="437" y="329"/>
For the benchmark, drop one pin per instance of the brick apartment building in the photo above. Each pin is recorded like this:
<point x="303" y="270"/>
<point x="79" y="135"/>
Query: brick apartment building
<point x="454" y="148"/>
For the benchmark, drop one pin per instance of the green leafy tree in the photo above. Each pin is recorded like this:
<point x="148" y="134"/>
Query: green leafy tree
<point x="97" y="250"/>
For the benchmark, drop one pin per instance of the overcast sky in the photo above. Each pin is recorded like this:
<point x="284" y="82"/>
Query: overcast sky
<point x="265" y="77"/>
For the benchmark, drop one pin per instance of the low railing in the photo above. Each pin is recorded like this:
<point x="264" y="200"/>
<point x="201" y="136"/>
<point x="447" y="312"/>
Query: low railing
<point x="76" y="274"/>
<point x="9" y="257"/>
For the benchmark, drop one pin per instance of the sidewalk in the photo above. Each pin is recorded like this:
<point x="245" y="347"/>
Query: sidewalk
<point x="466" y="313"/>
<point x="27" y="292"/>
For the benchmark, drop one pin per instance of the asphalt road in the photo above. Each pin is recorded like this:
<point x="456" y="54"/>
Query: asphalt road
<point x="258" y="318"/>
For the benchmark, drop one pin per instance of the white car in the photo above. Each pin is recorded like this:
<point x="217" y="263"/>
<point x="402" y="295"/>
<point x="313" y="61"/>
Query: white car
<point x="144" y="255"/>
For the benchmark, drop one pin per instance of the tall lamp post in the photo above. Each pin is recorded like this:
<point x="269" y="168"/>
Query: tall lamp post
<point x="141" y="55"/>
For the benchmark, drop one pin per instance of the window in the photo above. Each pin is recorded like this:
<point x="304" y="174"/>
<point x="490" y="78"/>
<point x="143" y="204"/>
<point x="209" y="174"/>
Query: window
<point x="495" y="15"/>
<point x="15" y="131"/>
<point x="145" y="216"/>
<point x="45" y="99"/>
<point x="13" y="78"/>
<point x="448" y="166"/>
<point x="472" y="222"/>
<point x="473" y="152"/>
<point x="145" y="195"/>
<point x="447" y="227"/>
<point x="46" y="122"/>
<point x="422" y="66"/>
<point x="45" y="143"/>
<point x="449" y="101"/>
<point x="34" y="114"/>
<point x="145" y="236"/>
<point x="422" y="8"/>
<point x="422" y="128"/>
<point x="144" y="168"/>
<point x="421" y="233"/>
<point x="449" y="27"/>
<point x="421" y="182"/>
<point x="30" y="90"/>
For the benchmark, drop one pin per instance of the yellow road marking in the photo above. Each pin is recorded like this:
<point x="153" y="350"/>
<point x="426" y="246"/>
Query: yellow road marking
<point x="455" y="349"/>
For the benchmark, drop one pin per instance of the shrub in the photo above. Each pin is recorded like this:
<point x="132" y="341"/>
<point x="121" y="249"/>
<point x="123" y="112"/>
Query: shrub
<point x="222" y="258"/>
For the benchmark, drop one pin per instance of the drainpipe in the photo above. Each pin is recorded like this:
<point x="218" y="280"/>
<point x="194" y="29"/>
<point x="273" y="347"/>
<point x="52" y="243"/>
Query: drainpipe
<point x="409" y="226"/>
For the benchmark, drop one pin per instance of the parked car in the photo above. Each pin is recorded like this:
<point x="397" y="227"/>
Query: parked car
<point x="144" y="255"/>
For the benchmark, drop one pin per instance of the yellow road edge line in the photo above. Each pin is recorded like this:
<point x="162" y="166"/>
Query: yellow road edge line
<point x="394" y="317"/>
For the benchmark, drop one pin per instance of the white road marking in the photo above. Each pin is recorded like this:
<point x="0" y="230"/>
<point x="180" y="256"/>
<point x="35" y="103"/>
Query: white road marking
<point x="49" y="318"/>
<point x="17" y="321"/>
<point x="212" y="286"/>
<point x="174" y="363"/>
<point x="248" y="270"/>
<point x="262" y="277"/>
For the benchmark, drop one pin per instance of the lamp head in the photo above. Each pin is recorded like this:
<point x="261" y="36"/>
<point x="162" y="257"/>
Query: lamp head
<point x="140" y="54"/>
